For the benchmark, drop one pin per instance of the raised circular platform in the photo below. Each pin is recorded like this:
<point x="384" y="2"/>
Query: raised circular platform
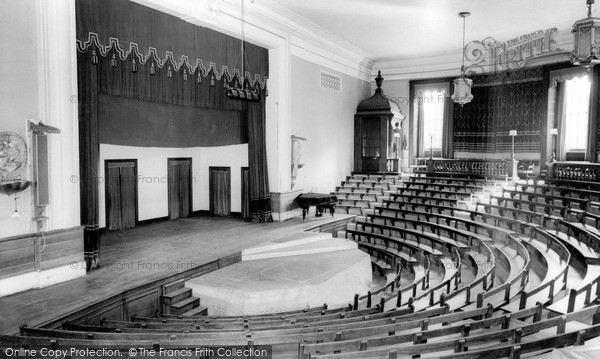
<point x="284" y="276"/>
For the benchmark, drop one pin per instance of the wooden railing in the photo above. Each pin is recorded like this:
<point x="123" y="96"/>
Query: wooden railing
<point x="485" y="168"/>
<point x="575" y="171"/>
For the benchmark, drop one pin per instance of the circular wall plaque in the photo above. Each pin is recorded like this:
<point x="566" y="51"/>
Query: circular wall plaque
<point x="13" y="156"/>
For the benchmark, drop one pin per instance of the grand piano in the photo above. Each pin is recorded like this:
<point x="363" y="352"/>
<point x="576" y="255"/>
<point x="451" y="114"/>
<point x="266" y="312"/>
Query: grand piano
<point x="322" y="201"/>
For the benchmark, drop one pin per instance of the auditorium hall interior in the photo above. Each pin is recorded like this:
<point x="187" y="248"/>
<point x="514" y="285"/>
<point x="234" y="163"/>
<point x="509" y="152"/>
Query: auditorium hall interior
<point x="300" y="179"/>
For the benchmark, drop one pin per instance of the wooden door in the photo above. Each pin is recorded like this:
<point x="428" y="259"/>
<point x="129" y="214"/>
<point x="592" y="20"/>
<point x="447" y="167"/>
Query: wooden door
<point x="180" y="187"/>
<point x="220" y="191"/>
<point x="121" y="194"/>
<point x="371" y="144"/>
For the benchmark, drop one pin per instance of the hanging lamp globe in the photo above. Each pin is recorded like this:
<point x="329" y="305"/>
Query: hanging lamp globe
<point x="586" y="39"/>
<point x="462" y="85"/>
<point x="462" y="90"/>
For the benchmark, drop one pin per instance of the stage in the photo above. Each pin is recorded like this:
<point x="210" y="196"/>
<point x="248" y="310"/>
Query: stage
<point x="132" y="257"/>
<point x="288" y="274"/>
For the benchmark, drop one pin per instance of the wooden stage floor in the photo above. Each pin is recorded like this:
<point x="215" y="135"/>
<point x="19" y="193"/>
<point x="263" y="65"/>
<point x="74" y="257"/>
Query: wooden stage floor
<point x="139" y="255"/>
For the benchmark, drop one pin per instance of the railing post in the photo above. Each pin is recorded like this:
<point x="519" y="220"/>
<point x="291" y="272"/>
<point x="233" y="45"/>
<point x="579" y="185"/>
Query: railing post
<point x="369" y="299"/>
<point x="459" y="346"/>
<point x="468" y="295"/>
<point x="538" y="312"/>
<point x="523" y="300"/>
<point x="516" y="336"/>
<point x="572" y="298"/>
<point x="465" y="330"/>
<point x="479" y="300"/>
<point x="505" y="322"/>
<point x="515" y="352"/>
<point x="580" y="337"/>
<point x="399" y="301"/>
<point x="355" y="307"/>
<point x="561" y="324"/>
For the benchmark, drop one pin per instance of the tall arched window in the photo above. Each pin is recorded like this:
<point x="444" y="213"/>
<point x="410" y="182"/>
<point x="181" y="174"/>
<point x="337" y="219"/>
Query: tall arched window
<point x="430" y="109"/>
<point x="569" y="97"/>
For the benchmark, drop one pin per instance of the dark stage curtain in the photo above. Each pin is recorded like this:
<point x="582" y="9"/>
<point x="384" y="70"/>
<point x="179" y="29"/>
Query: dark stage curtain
<point x="131" y="122"/>
<point x="89" y="156"/>
<point x="129" y="53"/>
<point x="260" y="200"/>
<point x="129" y="22"/>
<point x="246" y="194"/>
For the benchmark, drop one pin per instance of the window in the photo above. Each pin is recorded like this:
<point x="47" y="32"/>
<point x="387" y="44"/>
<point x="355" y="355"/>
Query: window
<point x="429" y="105"/>
<point x="433" y="119"/>
<point x="576" y="119"/>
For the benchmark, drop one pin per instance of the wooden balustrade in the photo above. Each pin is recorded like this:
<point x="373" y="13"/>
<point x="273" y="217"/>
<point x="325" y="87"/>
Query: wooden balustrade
<point x="476" y="167"/>
<point x="575" y="171"/>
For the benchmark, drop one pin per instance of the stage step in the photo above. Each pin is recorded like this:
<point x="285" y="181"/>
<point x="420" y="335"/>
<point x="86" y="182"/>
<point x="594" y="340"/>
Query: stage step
<point x="171" y="287"/>
<point x="196" y="312"/>
<point x="184" y="305"/>
<point x="177" y="299"/>
<point x="177" y="296"/>
<point x="293" y="240"/>
<point x="328" y="244"/>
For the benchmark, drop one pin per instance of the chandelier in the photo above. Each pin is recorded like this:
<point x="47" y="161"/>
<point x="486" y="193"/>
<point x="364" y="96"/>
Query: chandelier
<point x="585" y="39"/>
<point x="462" y="85"/>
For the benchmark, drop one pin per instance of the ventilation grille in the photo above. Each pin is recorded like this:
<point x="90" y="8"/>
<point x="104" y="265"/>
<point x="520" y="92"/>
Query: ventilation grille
<point x="331" y="82"/>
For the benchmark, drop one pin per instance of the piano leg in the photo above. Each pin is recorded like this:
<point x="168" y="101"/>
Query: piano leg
<point x="319" y="211"/>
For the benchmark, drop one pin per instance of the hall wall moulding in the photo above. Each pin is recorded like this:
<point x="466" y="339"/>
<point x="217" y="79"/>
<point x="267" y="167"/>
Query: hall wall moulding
<point x="266" y="23"/>
<point x="446" y="65"/>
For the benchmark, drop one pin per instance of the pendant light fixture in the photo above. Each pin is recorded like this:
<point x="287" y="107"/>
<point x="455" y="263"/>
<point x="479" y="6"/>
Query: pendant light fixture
<point x="462" y="85"/>
<point x="239" y="90"/>
<point x="585" y="39"/>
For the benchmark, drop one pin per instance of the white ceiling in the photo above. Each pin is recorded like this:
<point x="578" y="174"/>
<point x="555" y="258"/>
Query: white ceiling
<point x="408" y="29"/>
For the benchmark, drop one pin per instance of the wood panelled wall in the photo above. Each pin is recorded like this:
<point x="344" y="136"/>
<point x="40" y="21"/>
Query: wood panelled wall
<point x="26" y="253"/>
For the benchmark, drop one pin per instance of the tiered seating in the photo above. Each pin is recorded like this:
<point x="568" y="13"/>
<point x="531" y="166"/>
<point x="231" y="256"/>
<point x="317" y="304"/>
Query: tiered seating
<point x="359" y="191"/>
<point x="469" y="270"/>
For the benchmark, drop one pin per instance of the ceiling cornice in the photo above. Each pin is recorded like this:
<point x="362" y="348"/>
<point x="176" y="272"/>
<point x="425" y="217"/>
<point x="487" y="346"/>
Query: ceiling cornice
<point x="266" y="24"/>
<point x="449" y="65"/>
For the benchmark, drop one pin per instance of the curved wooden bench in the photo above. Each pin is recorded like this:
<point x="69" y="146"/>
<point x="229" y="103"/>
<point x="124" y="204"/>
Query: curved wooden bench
<point x="467" y="342"/>
<point x="556" y="274"/>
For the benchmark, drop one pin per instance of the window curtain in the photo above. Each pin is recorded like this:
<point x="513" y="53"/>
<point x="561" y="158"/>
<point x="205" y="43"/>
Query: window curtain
<point x="260" y="199"/>
<point x="561" y="152"/>
<point x="448" y="128"/>
<point x="220" y="192"/>
<point x="420" y="126"/>
<point x="429" y="93"/>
